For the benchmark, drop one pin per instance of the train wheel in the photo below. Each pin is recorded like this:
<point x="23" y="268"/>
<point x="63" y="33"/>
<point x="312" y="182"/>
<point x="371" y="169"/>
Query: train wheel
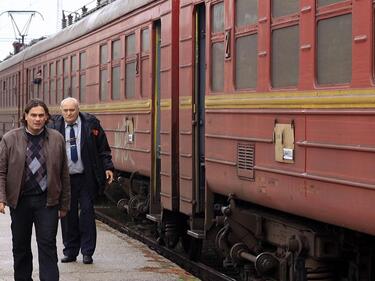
<point x="192" y="246"/>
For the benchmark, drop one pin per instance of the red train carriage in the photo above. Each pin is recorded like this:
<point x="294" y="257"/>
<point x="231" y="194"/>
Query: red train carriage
<point x="276" y="111"/>
<point x="245" y="122"/>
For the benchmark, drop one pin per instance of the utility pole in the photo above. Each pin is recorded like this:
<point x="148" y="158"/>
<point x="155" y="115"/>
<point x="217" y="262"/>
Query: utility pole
<point x="58" y="15"/>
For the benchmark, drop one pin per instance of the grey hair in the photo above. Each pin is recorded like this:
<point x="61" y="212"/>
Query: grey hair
<point x="76" y="102"/>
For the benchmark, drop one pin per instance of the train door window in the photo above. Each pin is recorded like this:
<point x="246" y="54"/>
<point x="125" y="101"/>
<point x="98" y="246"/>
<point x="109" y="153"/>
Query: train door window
<point x="130" y="65"/>
<point x="116" y="70"/>
<point x="334" y="50"/>
<point x="73" y="76"/>
<point x="59" y="93"/>
<point x="327" y="2"/>
<point x="45" y="84"/>
<point x="285" y="43"/>
<point x="217" y="47"/>
<point x="103" y="90"/>
<point x="82" y="76"/>
<point x="145" y="63"/>
<point x="246" y="43"/>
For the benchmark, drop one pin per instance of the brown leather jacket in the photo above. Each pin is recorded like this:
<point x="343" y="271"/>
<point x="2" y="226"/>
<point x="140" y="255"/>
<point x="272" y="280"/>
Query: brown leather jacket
<point x="12" y="166"/>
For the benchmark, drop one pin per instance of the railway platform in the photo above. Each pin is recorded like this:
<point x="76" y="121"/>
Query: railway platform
<point x="117" y="258"/>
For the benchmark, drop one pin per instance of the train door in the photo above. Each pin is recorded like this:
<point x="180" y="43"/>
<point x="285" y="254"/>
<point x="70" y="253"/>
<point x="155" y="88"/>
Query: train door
<point x="198" y="106"/>
<point x="198" y="129"/>
<point x="156" y="159"/>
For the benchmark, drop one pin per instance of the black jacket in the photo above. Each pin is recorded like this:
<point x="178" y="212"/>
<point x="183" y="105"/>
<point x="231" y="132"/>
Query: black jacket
<point x="95" y="151"/>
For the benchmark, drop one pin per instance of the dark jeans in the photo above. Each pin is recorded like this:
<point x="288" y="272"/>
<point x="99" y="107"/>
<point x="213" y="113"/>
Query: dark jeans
<point x="32" y="210"/>
<point x="78" y="226"/>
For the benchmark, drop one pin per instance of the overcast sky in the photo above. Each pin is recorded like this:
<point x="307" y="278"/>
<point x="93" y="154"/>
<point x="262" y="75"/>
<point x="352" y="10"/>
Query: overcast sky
<point x="38" y="27"/>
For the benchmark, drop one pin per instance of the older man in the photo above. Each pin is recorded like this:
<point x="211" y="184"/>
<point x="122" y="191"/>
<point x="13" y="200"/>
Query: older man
<point x="90" y="166"/>
<point x="34" y="183"/>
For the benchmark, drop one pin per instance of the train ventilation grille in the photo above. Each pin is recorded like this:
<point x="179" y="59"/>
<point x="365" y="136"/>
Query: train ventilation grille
<point x="245" y="160"/>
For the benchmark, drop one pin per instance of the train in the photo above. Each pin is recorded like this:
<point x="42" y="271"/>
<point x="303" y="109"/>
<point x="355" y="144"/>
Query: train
<point x="246" y="123"/>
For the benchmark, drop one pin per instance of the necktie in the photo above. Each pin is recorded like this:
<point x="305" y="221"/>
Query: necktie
<point x="73" y="144"/>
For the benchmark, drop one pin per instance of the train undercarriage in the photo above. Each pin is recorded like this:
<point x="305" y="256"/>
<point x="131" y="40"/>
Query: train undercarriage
<point x="258" y="243"/>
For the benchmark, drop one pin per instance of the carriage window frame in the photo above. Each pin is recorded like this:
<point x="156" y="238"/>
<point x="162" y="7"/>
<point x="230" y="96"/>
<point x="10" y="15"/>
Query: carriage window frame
<point x="217" y="38"/>
<point x="338" y="9"/>
<point x="246" y="29"/>
<point x="145" y="62"/>
<point x="103" y="72"/>
<point x="278" y="23"/>
<point x="115" y="84"/>
<point x="82" y="65"/>
<point x="131" y="61"/>
<point x="66" y="64"/>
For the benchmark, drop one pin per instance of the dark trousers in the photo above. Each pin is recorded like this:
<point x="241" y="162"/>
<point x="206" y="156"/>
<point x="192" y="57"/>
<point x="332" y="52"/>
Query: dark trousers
<point x="78" y="226"/>
<point x="32" y="210"/>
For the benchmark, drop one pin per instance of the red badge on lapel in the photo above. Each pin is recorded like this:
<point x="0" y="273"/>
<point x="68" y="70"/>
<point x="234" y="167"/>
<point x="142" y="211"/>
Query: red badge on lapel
<point x="95" y="132"/>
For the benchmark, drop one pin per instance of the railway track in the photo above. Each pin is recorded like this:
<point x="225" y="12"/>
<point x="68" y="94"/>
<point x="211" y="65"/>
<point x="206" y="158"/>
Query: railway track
<point x="198" y="269"/>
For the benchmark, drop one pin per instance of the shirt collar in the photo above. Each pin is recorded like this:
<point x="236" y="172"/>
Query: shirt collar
<point x="77" y="122"/>
<point x="27" y="131"/>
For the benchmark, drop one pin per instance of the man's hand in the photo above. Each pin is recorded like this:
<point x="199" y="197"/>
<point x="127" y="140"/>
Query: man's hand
<point x="109" y="176"/>
<point x="62" y="213"/>
<point x="2" y="207"/>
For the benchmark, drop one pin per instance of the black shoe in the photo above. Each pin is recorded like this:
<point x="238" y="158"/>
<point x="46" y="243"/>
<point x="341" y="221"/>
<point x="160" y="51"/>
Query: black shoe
<point x="66" y="259"/>
<point x="87" y="259"/>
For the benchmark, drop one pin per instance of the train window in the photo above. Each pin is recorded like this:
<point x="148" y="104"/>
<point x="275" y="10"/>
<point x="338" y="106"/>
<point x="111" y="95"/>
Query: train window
<point x="327" y="2"/>
<point x="334" y="50"/>
<point x="246" y="12"/>
<point x="51" y="70"/>
<point x="130" y="45"/>
<point x="82" y="87"/>
<point x="74" y="63"/>
<point x="145" y="40"/>
<point x="217" y="67"/>
<point x="73" y="86"/>
<point x="130" y="80"/>
<point x="285" y="56"/>
<point x="116" y="83"/>
<point x="66" y="66"/>
<point x="45" y="90"/>
<point x="58" y="68"/>
<point x="145" y="86"/>
<point x="130" y="67"/>
<point x="282" y="8"/>
<point x="59" y="94"/>
<point x="217" y="18"/>
<point x="246" y="61"/>
<point x="116" y="49"/>
<point x="82" y="61"/>
<point x="66" y="87"/>
<point x="103" y="84"/>
<point x="103" y="54"/>
<point x="52" y="91"/>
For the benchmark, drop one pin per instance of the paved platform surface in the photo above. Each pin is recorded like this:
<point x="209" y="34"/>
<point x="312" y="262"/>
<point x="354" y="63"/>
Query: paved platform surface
<point x="117" y="258"/>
